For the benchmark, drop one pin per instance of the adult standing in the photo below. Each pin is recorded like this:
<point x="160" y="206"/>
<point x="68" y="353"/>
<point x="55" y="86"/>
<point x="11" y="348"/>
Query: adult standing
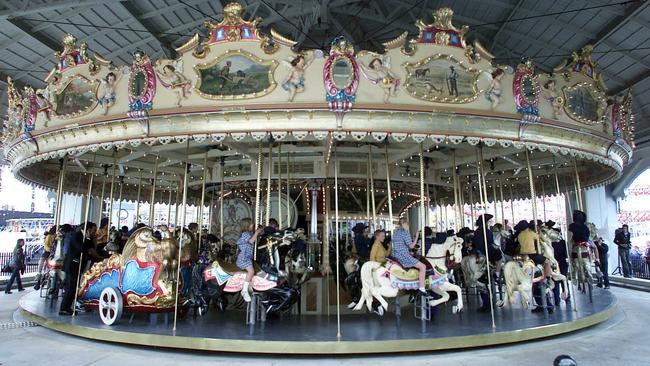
<point x="452" y="81"/>
<point x="622" y="239"/>
<point x="17" y="266"/>
<point x="75" y="242"/>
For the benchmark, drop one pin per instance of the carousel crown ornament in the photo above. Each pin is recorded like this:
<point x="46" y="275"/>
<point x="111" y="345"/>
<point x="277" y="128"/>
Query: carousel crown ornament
<point x="341" y="77"/>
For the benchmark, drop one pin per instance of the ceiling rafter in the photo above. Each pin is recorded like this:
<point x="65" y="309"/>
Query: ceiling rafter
<point x="41" y="38"/>
<point x="150" y="27"/>
<point x="34" y="8"/>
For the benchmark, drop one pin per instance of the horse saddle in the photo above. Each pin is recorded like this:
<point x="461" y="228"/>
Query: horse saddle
<point x="231" y="268"/>
<point x="396" y="270"/>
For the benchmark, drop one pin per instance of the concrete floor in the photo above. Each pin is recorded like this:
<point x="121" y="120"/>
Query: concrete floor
<point x="620" y="341"/>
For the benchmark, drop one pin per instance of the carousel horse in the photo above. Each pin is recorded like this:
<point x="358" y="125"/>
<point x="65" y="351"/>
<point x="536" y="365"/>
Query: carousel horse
<point x="211" y="281"/>
<point x="443" y="255"/>
<point x="547" y="237"/>
<point x="519" y="276"/>
<point x="380" y="280"/>
<point x="582" y="256"/>
<point x="295" y="261"/>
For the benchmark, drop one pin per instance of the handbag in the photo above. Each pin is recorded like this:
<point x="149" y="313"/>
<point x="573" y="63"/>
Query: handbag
<point x="7" y="268"/>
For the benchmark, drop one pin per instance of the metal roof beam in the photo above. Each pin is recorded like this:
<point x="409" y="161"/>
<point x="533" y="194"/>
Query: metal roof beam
<point x="512" y="12"/>
<point x="34" y="8"/>
<point x="43" y="39"/>
<point x="632" y="83"/>
<point x="167" y="49"/>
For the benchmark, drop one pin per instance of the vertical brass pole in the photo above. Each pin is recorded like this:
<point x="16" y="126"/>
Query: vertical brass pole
<point x="169" y="209"/>
<point x="371" y="174"/>
<point x="570" y="289"/>
<point x="471" y="204"/>
<point x="137" y="200"/>
<point x="512" y="206"/>
<point x="223" y="164"/>
<point x="389" y="193"/>
<point x="204" y="178"/>
<point x="368" y="194"/>
<point x="119" y="202"/>
<point x="494" y="195"/>
<point x="503" y="214"/>
<point x="180" y="237"/>
<point x="101" y="197"/>
<point x="280" y="218"/>
<point x="268" y="185"/>
<point x="479" y="167"/>
<point x="81" y="255"/>
<point x="457" y="212"/>
<point x="152" y="201"/>
<point x="533" y="196"/>
<point x="258" y="214"/>
<point x="111" y="196"/>
<point x="338" y="271"/>
<point x="543" y="200"/>
<point x="461" y="198"/>
<point x="581" y="205"/>
<point x="289" y="223"/>
<point x="422" y="223"/>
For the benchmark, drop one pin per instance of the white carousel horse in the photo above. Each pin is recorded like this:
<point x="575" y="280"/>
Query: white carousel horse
<point x="380" y="280"/>
<point x="437" y="254"/>
<point x="473" y="268"/>
<point x="518" y="277"/>
<point x="547" y="236"/>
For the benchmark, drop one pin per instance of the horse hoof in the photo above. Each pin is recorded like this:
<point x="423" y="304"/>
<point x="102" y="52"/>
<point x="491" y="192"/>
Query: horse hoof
<point x="500" y="303"/>
<point x="454" y="309"/>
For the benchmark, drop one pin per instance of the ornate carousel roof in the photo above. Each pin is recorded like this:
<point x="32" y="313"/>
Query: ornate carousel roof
<point x="243" y="89"/>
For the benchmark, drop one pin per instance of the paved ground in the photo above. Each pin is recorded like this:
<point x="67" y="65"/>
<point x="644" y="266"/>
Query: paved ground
<point x="619" y="341"/>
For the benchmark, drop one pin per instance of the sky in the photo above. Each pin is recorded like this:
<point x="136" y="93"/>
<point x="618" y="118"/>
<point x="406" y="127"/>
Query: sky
<point x="17" y="196"/>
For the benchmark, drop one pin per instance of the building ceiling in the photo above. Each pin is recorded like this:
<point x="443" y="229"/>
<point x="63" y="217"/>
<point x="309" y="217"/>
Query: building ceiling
<point x="545" y="31"/>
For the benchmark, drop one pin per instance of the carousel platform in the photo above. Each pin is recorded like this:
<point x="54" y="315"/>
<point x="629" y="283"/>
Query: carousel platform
<point x="316" y="334"/>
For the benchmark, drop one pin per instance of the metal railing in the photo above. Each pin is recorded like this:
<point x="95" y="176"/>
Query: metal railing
<point x="640" y="268"/>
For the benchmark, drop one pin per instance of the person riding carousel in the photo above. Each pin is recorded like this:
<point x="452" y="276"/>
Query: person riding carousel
<point x="494" y="255"/>
<point x="529" y="244"/>
<point x="246" y="246"/>
<point x="381" y="248"/>
<point x="362" y="243"/>
<point x="402" y="245"/>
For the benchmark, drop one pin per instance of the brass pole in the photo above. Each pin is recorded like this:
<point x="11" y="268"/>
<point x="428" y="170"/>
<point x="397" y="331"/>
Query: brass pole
<point x="543" y="200"/>
<point x="258" y="217"/>
<point x="338" y="271"/>
<point x="169" y="209"/>
<point x="581" y="206"/>
<point x="503" y="214"/>
<point x="479" y="168"/>
<point x="280" y="218"/>
<point x="58" y="254"/>
<point x="289" y="223"/>
<point x="223" y="164"/>
<point x="111" y="196"/>
<point x="422" y="223"/>
<point x="81" y="255"/>
<point x="571" y="288"/>
<point x="180" y="236"/>
<point x="137" y="200"/>
<point x="368" y="192"/>
<point x="119" y="202"/>
<point x="455" y="182"/>
<point x="389" y="193"/>
<point x="471" y="204"/>
<point x="153" y="195"/>
<point x="268" y="185"/>
<point x="371" y="174"/>
<point x="101" y="198"/>
<point x="461" y="198"/>
<point x="494" y="195"/>
<point x="204" y="178"/>
<point x="512" y="206"/>
<point x="533" y="195"/>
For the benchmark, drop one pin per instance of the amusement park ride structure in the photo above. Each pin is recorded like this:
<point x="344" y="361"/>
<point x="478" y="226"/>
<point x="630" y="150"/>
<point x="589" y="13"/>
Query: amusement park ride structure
<point x="431" y="121"/>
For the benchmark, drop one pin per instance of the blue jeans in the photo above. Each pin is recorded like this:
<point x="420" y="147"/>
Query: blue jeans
<point x="15" y="276"/>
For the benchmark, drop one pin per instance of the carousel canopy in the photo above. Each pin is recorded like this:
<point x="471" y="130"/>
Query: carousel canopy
<point x="546" y="31"/>
<point x="140" y="92"/>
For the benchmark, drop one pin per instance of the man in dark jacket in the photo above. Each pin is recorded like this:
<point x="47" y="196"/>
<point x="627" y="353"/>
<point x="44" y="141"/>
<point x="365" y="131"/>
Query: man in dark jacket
<point x="76" y="244"/>
<point x="622" y="239"/>
<point x="603" y="250"/>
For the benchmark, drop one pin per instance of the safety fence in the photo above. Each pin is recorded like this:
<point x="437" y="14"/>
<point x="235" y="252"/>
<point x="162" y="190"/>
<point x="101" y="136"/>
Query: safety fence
<point x="640" y="267"/>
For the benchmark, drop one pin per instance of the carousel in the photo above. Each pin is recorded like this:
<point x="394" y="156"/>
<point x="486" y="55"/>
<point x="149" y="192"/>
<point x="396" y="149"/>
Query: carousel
<point x="429" y="133"/>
